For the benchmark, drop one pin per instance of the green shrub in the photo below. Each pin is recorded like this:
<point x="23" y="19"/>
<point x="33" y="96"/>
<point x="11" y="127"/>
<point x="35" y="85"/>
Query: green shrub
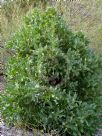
<point x="54" y="78"/>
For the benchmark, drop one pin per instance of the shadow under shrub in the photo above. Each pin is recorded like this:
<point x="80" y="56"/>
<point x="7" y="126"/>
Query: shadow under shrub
<point x="54" y="78"/>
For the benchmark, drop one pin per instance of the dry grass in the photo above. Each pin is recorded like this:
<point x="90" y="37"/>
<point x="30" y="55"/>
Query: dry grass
<point x="85" y="16"/>
<point x="81" y="15"/>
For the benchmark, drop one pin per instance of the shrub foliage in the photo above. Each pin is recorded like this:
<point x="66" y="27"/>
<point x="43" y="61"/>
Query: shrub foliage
<point x="54" y="78"/>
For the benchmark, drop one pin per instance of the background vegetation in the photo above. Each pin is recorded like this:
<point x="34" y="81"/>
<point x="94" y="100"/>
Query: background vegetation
<point x="80" y="15"/>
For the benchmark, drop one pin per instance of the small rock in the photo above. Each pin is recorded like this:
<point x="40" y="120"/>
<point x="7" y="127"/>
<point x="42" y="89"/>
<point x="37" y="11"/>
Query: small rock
<point x="99" y="133"/>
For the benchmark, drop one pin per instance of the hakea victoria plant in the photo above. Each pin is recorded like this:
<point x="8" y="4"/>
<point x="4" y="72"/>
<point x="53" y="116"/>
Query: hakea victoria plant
<point x="54" y="78"/>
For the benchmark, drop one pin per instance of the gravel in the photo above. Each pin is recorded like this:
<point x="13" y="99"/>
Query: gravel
<point x="13" y="131"/>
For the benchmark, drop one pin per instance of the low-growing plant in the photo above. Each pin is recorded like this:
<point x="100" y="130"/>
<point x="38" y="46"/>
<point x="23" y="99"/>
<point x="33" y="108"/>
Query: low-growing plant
<point x="54" y="78"/>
